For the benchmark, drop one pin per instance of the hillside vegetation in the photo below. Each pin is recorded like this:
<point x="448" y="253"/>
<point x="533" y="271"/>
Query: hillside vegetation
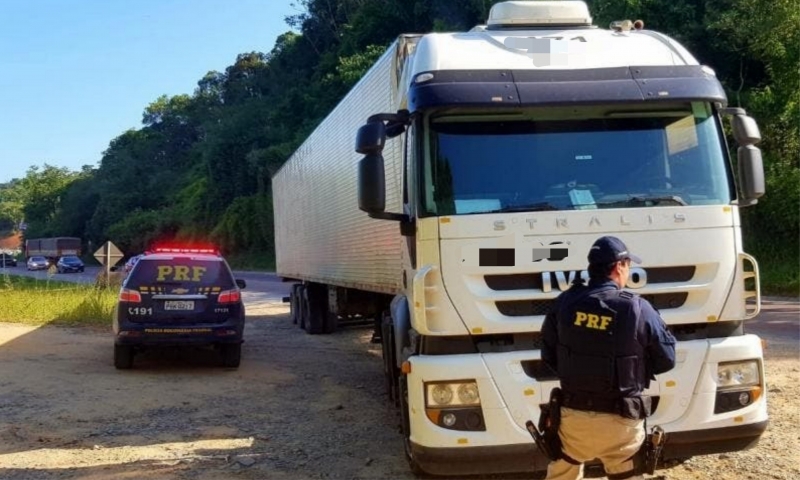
<point x="201" y="163"/>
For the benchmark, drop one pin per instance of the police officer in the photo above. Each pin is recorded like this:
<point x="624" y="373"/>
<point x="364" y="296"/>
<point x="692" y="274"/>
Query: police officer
<point x="606" y="345"/>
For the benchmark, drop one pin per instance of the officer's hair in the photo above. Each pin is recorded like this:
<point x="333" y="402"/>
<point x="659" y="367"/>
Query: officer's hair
<point x="600" y="271"/>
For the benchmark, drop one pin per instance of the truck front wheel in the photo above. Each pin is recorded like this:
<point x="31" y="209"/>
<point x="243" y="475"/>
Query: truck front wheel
<point x="390" y="370"/>
<point x="402" y="391"/>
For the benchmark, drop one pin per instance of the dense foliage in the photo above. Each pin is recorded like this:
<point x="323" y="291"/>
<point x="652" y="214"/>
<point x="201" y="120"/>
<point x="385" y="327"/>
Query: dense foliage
<point x="201" y="164"/>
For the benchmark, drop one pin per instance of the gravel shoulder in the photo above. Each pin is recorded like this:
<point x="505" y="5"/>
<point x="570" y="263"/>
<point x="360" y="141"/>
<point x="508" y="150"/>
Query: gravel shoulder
<point x="299" y="407"/>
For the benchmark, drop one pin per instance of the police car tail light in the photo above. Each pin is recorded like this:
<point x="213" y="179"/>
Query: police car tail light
<point x="739" y="384"/>
<point x="229" y="296"/>
<point x="130" y="296"/>
<point x="454" y="405"/>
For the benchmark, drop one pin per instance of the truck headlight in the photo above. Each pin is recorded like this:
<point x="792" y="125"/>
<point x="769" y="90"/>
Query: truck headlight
<point x="454" y="405"/>
<point x="441" y="394"/>
<point x="734" y="375"/>
<point x="738" y="385"/>
<point x="455" y="394"/>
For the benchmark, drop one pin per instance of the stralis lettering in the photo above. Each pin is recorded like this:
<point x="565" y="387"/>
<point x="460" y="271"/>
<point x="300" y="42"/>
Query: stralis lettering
<point x="596" y="221"/>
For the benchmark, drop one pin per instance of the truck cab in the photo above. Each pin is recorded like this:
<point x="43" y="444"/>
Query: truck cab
<point x="522" y="142"/>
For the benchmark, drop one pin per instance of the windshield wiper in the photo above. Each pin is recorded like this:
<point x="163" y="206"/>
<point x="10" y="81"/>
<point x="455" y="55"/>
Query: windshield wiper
<point x="526" y="207"/>
<point x="643" y="200"/>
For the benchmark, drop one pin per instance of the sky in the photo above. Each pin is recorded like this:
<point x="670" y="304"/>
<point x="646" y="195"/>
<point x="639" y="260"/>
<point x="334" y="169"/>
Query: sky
<point x="76" y="74"/>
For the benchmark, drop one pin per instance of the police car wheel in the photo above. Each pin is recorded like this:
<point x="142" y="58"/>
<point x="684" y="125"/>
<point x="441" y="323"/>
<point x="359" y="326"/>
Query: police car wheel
<point x="231" y="355"/>
<point x="123" y="357"/>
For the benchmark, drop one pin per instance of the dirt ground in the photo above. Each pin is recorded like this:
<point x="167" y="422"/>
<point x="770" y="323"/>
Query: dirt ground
<point x="299" y="407"/>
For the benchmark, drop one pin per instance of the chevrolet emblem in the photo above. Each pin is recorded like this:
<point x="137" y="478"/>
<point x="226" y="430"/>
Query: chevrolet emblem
<point x="180" y="291"/>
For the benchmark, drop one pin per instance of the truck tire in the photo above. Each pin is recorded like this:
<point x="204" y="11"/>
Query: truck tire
<point x="405" y="425"/>
<point x="302" y="306"/>
<point x="331" y="322"/>
<point x="390" y="371"/>
<point x="316" y="300"/>
<point x="294" y="305"/>
<point x="123" y="357"/>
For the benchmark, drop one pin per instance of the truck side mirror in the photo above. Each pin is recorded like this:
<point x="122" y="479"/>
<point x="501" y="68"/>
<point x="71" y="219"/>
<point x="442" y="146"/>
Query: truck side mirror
<point x="751" y="166"/>
<point x="371" y="183"/>
<point x="371" y="138"/>
<point x="751" y="174"/>
<point x="745" y="130"/>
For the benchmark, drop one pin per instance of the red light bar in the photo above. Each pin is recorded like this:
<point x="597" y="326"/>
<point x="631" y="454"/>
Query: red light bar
<point x="212" y="251"/>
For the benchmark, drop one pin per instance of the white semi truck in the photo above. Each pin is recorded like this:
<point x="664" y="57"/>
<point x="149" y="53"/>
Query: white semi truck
<point x="488" y="162"/>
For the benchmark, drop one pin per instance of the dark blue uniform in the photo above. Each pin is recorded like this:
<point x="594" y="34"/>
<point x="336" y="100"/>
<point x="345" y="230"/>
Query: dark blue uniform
<point x="606" y="344"/>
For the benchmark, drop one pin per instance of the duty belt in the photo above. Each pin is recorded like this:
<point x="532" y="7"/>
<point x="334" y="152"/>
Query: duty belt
<point x="586" y="402"/>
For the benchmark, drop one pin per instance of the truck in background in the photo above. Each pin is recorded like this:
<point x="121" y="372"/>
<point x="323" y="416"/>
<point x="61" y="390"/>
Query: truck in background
<point x="52" y="248"/>
<point x="492" y="160"/>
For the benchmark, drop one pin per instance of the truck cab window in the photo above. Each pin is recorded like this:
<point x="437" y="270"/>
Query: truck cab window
<point x="599" y="160"/>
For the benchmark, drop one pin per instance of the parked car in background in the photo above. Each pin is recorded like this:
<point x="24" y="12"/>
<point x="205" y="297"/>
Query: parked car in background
<point x="69" y="263"/>
<point x="38" y="263"/>
<point x="7" y="260"/>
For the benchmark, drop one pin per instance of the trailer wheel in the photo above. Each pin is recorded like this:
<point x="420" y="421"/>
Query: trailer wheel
<point x="300" y="299"/>
<point x="331" y="322"/>
<point x="294" y="305"/>
<point x="316" y="303"/>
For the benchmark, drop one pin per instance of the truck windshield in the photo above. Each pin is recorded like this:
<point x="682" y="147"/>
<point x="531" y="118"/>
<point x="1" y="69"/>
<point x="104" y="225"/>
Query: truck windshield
<point x="574" y="158"/>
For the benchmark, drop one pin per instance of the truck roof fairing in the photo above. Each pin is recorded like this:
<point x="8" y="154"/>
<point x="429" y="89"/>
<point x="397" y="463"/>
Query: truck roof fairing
<point x="520" y="88"/>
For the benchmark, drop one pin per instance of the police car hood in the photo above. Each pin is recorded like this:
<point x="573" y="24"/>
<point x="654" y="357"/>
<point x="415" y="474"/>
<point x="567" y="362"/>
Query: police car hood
<point x="688" y="269"/>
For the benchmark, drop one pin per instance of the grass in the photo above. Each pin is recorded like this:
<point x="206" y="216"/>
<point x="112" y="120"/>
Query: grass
<point x="40" y="302"/>
<point x="251" y="261"/>
<point x="779" y="266"/>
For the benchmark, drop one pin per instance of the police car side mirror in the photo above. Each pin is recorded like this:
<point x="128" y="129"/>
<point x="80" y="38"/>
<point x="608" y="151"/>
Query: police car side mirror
<point x="241" y="283"/>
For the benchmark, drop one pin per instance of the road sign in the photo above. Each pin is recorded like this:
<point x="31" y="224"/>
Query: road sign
<point x="108" y="254"/>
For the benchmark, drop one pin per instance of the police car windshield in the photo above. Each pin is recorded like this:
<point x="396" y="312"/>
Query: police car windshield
<point x="189" y="272"/>
<point x="575" y="158"/>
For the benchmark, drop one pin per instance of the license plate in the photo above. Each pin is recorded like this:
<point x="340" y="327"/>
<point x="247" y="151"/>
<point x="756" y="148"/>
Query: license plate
<point x="179" y="305"/>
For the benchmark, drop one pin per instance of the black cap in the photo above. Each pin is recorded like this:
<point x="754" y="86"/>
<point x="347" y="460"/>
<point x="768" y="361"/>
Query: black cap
<point x="610" y="249"/>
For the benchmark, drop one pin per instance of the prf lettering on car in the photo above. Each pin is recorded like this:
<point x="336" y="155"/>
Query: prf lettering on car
<point x="590" y="320"/>
<point x="180" y="273"/>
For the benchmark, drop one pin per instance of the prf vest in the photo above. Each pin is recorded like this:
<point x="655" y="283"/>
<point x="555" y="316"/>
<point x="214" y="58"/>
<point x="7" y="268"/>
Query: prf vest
<point x="600" y="347"/>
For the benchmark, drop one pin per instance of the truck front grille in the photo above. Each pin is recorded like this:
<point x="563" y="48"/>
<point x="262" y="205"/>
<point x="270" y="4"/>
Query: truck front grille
<point x="535" y="282"/>
<point x="522" y="308"/>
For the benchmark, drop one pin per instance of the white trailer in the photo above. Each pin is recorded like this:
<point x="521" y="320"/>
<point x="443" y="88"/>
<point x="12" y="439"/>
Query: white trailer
<point x="492" y="160"/>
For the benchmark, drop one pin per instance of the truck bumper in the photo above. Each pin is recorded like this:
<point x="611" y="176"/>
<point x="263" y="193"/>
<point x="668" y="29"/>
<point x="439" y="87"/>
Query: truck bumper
<point x="716" y="440"/>
<point x="527" y="458"/>
<point x="479" y="460"/>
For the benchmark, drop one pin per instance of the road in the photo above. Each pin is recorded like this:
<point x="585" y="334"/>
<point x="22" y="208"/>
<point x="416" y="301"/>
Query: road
<point x="299" y="407"/>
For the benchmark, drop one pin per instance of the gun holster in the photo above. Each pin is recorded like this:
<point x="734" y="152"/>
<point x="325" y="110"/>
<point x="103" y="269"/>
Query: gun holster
<point x="648" y="456"/>
<point x="546" y="435"/>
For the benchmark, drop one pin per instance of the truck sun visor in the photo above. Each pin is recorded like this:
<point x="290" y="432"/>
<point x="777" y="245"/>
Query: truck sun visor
<point x="565" y="87"/>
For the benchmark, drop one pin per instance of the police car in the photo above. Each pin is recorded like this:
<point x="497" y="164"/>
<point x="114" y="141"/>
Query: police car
<point x="179" y="296"/>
